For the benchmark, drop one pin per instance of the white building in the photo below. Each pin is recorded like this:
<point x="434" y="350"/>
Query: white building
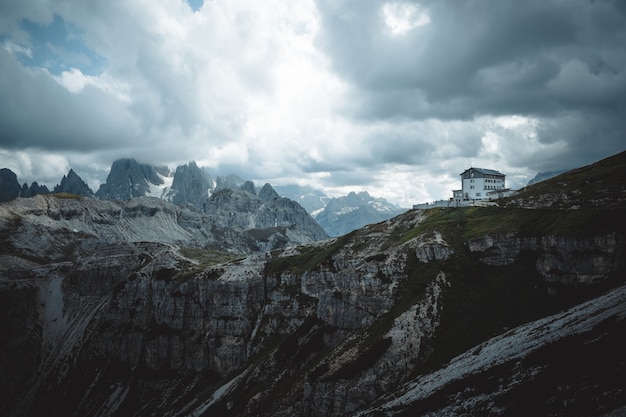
<point x="480" y="184"/>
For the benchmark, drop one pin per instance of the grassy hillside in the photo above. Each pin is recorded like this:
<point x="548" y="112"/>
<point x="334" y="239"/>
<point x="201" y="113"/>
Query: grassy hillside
<point x="600" y="184"/>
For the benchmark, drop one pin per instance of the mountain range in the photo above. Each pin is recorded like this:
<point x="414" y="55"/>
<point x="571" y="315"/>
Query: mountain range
<point x="191" y="186"/>
<point x="142" y="307"/>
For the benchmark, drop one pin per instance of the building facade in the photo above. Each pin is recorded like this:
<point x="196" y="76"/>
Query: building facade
<point x="479" y="184"/>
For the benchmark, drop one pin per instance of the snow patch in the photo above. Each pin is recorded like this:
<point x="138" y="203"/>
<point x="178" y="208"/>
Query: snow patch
<point x="160" y="190"/>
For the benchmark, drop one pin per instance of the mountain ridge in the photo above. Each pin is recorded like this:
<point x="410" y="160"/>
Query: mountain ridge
<point x="511" y="310"/>
<point x="190" y="186"/>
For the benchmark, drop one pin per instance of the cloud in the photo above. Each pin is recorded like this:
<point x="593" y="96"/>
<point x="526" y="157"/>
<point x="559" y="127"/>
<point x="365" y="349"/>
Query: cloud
<point x="474" y="58"/>
<point x="393" y="96"/>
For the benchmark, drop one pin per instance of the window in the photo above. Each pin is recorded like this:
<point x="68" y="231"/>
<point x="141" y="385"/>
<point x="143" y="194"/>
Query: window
<point x="477" y="194"/>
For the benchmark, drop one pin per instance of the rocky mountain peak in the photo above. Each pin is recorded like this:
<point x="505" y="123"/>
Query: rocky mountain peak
<point x="73" y="184"/>
<point x="248" y="187"/>
<point x="9" y="187"/>
<point x="344" y="214"/>
<point x="33" y="190"/>
<point x="128" y="179"/>
<point x="227" y="181"/>
<point x="267" y="193"/>
<point x="191" y="186"/>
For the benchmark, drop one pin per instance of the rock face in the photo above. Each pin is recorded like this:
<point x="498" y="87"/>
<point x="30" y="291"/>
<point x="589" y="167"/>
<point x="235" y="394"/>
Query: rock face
<point x="565" y="260"/>
<point x="191" y="186"/>
<point x="73" y="184"/>
<point x="267" y="193"/>
<point x="344" y="214"/>
<point x="455" y="312"/>
<point x="125" y="324"/>
<point x="128" y="179"/>
<point x="54" y="226"/>
<point x="240" y="209"/>
<point x="9" y="187"/>
<point x="33" y="190"/>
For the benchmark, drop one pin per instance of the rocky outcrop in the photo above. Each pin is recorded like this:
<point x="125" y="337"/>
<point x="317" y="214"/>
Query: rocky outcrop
<point x="9" y="187"/>
<point x="267" y="193"/>
<point x="223" y="182"/>
<point x="128" y="179"/>
<point x="191" y="186"/>
<point x="523" y="363"/>
<point x="53" y="227"/>
<point x="248" y="187"/>
<point x="73" y="184"/>
<point x="33" y="190"/>
<point x="242" y="210"/>
<point x="560" y="259"/>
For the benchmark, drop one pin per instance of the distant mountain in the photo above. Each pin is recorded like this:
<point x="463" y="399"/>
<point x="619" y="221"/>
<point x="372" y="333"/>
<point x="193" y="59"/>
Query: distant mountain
<point x="9" y="187"/>
<point x="311" y="199"/>
<point x="542" y="176"/>
<point x="191" y="186"/>
<point x="231" y="202"/>
<point x="248" y="187"/>
<point x="128" y="179"/>
<point x="341" y="215"/>
<point x="240" y="209"/>
<point x="267" y="193"/>
<point x="345" y="214"/>
<point x="73" y="184"/>
<point x="33" y="190"/>
<point x="228" y="181"/>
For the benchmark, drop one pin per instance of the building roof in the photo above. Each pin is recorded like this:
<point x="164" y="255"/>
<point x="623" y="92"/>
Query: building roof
<point x="484" y="171"/>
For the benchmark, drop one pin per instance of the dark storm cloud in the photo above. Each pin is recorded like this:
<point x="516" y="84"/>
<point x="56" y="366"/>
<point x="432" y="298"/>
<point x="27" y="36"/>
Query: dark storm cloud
<point x="561" y="63"/>
<point x="397" y="95"/>
<point x="37" y="112"/>
<point x="477" y="57"/>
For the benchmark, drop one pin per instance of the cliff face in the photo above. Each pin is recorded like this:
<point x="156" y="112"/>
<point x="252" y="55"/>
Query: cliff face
<point x="324" y="329"/>
<point x="107" y="310"/>
<point x="565" y="260"/>
<point x="55" y="227"/>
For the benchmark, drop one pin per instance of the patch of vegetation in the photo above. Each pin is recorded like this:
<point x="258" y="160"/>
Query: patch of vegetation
<point x="463" y="224"/>
<point x="597" y="185"/>
<point x="67" y="196"/>
<point x="310" y="259"/>
<point x="205" y="258"/>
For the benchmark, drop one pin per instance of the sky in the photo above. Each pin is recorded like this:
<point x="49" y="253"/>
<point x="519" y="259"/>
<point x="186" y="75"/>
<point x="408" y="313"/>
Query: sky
<point x="396" y="98"/>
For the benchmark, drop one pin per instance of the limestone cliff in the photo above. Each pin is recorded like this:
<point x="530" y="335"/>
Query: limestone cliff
<point x="106" y="310"/>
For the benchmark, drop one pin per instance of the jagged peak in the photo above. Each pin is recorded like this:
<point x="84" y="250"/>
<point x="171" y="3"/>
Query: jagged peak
<point x="267" y="193"/>
<point x="248" y="187"/>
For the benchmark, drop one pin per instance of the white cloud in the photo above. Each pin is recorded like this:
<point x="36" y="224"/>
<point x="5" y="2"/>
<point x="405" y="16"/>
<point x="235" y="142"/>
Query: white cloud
<point x="402" y="17"/>
<point x="391" y="97"/>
